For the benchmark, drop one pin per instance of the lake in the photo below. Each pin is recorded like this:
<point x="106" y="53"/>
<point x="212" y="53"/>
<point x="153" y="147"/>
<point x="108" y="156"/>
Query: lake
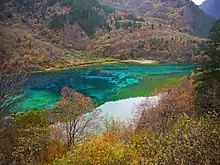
<point x="103" y="83"/>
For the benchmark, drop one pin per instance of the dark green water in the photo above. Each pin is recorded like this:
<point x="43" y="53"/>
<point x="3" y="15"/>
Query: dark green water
<point x="102" y="83"/>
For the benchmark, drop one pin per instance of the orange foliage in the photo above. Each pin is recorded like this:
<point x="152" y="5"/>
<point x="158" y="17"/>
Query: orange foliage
<point x="55" y="150"/>
<point x="5" y="62"/>
<point x="110" y="138"/>
<point x="33" y="58"/>
<point x="56" y="147"/>
<point x="62" y="102"/>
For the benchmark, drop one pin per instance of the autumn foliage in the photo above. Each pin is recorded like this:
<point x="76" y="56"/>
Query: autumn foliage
<point x="76" y="114"/>
<point x="103" y="150"/>
<point x="173" y="102"/>
<point x="188" y="141"/>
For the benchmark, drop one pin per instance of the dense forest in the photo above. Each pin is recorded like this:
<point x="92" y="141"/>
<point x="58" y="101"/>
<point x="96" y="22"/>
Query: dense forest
<point x="183" y="129"/>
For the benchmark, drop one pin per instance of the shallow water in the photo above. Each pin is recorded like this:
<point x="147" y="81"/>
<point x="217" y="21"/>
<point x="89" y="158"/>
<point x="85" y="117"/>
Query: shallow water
<point x="125" y="110"/>
<point x="103" y="83"/>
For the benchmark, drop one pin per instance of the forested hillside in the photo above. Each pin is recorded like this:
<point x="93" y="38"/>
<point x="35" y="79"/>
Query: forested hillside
<point x="182" y="13"/>
<point x="55" y="34"/>
<point x="45" y="34"/>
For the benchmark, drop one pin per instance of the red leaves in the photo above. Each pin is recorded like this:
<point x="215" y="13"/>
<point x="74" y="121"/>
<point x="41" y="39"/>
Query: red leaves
<point x="70" y="95"/>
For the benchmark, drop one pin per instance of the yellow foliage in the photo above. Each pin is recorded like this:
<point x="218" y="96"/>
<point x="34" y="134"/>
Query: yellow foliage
<point x="55" y="150"/>
<point x="34" y="58"/>
<point x="100" y="151"/>
<point x="57" y="66"/>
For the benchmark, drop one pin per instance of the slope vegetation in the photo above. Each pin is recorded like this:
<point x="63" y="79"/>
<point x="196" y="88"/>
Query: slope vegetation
<point x="182" y="13"/>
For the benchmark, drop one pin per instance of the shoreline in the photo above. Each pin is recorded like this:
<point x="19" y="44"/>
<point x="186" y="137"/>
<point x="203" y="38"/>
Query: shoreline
<point x="142" y="61"/>
<point x="87" y="64"/>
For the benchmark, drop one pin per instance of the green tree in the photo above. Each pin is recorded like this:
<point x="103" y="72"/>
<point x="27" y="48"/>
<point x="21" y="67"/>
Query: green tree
<point x="130" y="24"/>
<point x="88" y="15"/>
<point x="214" y="48"/>
<point x="152" y="26"/>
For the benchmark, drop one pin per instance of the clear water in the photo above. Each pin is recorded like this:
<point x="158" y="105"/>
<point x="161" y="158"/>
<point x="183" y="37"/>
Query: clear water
<point x="102" y="83"/>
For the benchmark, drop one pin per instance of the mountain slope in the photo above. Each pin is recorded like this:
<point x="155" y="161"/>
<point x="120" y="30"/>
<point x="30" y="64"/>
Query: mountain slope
<point x="54" y="34"/>
<point x="212" y="7"/>
<point x="182" y="13"/>
<point x="44" y="34"/>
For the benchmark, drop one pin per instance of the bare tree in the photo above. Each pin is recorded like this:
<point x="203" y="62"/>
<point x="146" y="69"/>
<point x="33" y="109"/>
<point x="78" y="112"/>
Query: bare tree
<point x="77" y="115"/>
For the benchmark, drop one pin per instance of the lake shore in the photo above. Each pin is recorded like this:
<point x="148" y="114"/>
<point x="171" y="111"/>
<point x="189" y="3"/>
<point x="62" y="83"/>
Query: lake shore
<point x="86" y="64"/>
<point x="142" y="61"/>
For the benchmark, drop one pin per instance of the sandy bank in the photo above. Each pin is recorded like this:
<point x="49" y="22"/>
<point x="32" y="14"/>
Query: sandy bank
<point x="125" y="109"/>
<point x="142" y="61"/>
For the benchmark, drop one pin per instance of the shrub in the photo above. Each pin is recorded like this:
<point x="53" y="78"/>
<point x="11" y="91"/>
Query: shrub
<point x="141" y="19"/>
<point x="158" y="44"/>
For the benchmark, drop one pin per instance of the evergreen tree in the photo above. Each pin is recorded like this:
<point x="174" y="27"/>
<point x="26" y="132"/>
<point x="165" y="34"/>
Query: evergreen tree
<point x="214" y="48"/>
<point x="207" y="79"/>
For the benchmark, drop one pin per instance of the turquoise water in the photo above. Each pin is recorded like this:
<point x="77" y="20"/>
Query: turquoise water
<point x="102" y="83"/>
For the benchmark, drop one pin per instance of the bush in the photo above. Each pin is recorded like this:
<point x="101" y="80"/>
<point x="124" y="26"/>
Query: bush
<point x="158" y="44"/>
<point x="141" y="19"/>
